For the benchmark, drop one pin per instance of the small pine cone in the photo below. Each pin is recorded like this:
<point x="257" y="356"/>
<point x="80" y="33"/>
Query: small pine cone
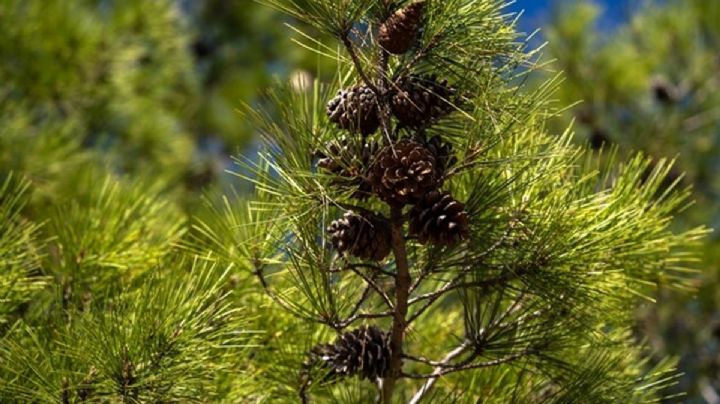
<point x="404" y="172"/>
<point x="419" y="101"/>
<point x="364" y="236"/>
<point x="439" y="219"/>
<point x="349" y="161"/>
<point x="364" y="352"/>
<point x="355" y="109"/>
<point x="398" y="33"/>
<point x="664" y="92"/>
<point x="443" y="153"/>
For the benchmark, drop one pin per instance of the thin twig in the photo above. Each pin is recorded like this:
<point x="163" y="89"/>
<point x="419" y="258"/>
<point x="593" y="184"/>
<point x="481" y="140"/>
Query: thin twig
<point x="427" y="270"/>
<point x="429" y="362"/>
<point x="274" y="297"/>
<point x="358" y="66"/>
<point x="431" y="297"/>
<point x="457" y="284"/>
<point x="467" y="163"/>
<point x="440" y="366"/>
<point x="361" y="301"/>
<point x="375" y="286"/>
<point x="507" y="313"/>
<point x="421" y="310"/>
<point x="385" y="95"/>
<point x="422" y="53"/>
<point x="349" y="206"/>
<point x="359" y="316"/>
<point x="501" y="240"/>
<point x="373" y="267"/>
<point x="454" y="369"/>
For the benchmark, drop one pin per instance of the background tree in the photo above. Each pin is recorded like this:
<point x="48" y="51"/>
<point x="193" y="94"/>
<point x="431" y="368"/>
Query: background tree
<point x="652" y="85"/>
<point x="143" y="89"/>
<point x="102" y="158"/>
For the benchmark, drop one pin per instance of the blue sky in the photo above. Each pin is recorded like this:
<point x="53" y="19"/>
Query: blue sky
<point x="537" y="11"/>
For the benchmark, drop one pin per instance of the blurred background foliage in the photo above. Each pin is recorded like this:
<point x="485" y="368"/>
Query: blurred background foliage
<point x="652" y="84"/>
<point x="136" y="87"/>
<point x="115" y="116"/>
<point x="130" y="106"/>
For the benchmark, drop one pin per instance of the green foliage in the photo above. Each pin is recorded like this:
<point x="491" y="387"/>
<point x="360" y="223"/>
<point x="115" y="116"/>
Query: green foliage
<point x="120" y="283"/>
<point x="43" y="151"/>
<point x="123" y="79"/>
<point x="112" y="234"/>
<point x="167" y="339"/>
<point x="19" y="251"/>
<point x="651" y="85"/>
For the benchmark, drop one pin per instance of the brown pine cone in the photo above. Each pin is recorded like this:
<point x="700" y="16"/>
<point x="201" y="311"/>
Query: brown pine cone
<point x="365" y="236"/>
<point x="420" y="101"/>
<point x="398" y="33"/>
<point x="364" y="352"/>
<point x="439" y="219"/>
<point x="350" y="161"/>
<point x="404" y="172"/>
<point x="355" y="109"/>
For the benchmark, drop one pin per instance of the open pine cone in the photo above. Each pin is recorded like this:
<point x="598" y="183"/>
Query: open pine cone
<point x="366" y="236"/>
<point x="404" y="172"/>
<point x="355" y="109"/>
<point x="350" y="162"/>
<point x="398" y="33"/>
<point x="439" y="219"/>
<point x="420" y="100"/>
<point x="364" y="352"/>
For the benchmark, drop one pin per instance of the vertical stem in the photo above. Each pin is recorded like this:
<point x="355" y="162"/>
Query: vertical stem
<point x="402" y="273"/>
<point x="402" y="292"/>
<point x="384" y="104"/>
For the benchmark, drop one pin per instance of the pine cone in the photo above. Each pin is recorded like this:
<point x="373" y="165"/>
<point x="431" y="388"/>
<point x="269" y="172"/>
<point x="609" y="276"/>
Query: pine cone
<point x="664" y="92"/>
<point x="404" y="172"/>
<point x="443" y="153"/>
<point x="355" y="109"/>
<point x="350" y="161"/>
<point x="439" y="219"/>
<point x="420" y="101"/>
<point x="364" y="352"/>
<point x="364" y="236"/>
<point x="398" y="33"/>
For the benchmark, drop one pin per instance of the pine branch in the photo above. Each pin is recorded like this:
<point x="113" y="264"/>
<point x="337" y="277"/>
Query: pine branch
<point x="360" y="316"/>
<point x="279" y="300"/>
<point x="372" y="267"/>
<point x="439" y="367"/>
<point x="445" y="370"/>
<point x="458" y="283"/>
<point x="358" y="65"/>
<point x="371" y="283"/>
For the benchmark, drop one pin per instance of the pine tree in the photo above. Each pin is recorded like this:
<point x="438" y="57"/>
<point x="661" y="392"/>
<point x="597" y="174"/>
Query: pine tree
<point x="516" y="257"/>
<point x="455" y="252"/>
